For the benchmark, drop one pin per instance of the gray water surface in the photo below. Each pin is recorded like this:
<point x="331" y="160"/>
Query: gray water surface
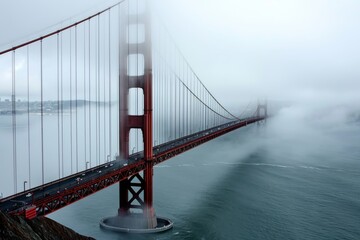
<point x="282" y="180"/>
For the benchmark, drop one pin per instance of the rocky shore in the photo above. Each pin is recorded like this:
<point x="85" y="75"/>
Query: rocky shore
<point x="40" y="228"/>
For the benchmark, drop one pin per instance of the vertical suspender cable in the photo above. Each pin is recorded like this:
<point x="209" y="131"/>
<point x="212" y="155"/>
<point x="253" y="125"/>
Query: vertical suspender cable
<point x="71" y="121"/>
<point x="193" y="100"/>
<point x="206" y="110"/>
<point x="206" y="120"/>
<point x="104" y="91"/>
<point x="159" y="92"/>
<point x="118" y="86"/>
<point x="90" y="142"/>
<point x="199" y="108"/>
<point x="183" y="102"/>
<point x="98" y="150"/>
<point x="110" y="103"/>
<point x="201" y="118"/>
<point x="158" y="88"/>
<point x="162" y="90"/>
<point x="62" y="106"/>
<point x="196" y="117"/>
<point x="177" y="90"/>
<point x="58" y="101"/>
<point x="174" y="92"/>
<point x="175" y="99"/>
<point x="175" y="95"/>
<point x="185" y="99"/>
<point x="84" y="45"/>
<point x="179" y="80"/>
<point x="42" y="114"/>
<point x="13" y="105"/>
<point x="76" y="106"/>
<point x="96" y="90"/>
<point x="155" y="96"/>
<point x="180" y="99"/>
<point x="28" y="112"/>
<point x="165" y="93"/>
<point x="202" y="115"/>
<point x="169" y="80"/>
<point x="166" y="119"/>
<point x="159" y="104"/>
<point x="206" y="123"/>
<point x="192" y="105"/>
<point x="169" y="89"/>
<point x="202" y="110"/>
<point x="158" y="122"/>
<point x="188" y="102"/>
<point x="171" y="96"/>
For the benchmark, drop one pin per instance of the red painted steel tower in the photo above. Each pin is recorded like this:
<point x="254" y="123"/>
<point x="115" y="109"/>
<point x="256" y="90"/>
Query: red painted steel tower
<point x="136" y="192"/>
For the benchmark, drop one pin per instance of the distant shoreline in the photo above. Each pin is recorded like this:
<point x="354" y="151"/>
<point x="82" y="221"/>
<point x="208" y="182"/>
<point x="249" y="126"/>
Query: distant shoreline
<point x="21" y="107"/>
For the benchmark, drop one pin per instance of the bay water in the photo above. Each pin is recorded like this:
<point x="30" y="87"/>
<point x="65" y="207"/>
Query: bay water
<point x="294" y="177"/>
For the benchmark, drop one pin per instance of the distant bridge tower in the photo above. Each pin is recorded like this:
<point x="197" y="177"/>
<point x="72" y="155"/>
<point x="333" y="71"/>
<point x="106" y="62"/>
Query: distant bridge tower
<point x="262" y="107"/>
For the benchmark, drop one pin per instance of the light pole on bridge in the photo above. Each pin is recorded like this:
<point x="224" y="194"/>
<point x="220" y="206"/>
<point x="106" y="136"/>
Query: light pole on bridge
<point x="25" y="182"/>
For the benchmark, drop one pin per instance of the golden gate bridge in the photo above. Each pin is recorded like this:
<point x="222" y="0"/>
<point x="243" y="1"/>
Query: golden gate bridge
<point x="98" y="102"/>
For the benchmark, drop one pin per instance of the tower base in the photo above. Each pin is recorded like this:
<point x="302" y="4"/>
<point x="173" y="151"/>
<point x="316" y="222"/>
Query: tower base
<point x="134" y="223"/>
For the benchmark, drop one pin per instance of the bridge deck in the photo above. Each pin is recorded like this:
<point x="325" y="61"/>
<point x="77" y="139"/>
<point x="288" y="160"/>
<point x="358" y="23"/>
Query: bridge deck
<point x="57" y="194"/>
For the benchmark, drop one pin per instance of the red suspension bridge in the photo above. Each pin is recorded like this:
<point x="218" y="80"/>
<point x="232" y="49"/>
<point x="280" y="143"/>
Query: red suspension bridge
<point x="98" y="102"/>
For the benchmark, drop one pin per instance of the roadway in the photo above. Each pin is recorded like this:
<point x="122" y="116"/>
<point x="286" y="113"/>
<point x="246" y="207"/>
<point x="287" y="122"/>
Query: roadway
<point x="26" y="198"/>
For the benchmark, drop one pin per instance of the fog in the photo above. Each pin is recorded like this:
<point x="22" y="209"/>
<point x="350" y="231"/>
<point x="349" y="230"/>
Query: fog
<point x="302" y="56"/>
<point x="305" y="53"/>
<point x="299" y="53"/>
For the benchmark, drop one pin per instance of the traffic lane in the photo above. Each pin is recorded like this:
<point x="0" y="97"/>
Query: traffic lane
<point x="92" y="174"/>
<point x="59" y="187"/>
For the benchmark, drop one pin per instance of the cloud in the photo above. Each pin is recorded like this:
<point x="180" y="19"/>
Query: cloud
<point x="287" y="50"/>
<point x="299" y="50"/>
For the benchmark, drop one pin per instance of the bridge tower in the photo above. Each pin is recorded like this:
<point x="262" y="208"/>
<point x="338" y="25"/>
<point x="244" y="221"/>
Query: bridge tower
<point x="136" y="212"/>
<point x="136" y="192"/>
<point x="260" y="108"/>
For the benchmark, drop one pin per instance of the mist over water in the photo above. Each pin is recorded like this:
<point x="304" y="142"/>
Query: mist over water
<point x="296" y="177"/>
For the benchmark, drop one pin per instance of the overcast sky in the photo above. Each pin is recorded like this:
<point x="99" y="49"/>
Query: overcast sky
<point x="300" y="50"/>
